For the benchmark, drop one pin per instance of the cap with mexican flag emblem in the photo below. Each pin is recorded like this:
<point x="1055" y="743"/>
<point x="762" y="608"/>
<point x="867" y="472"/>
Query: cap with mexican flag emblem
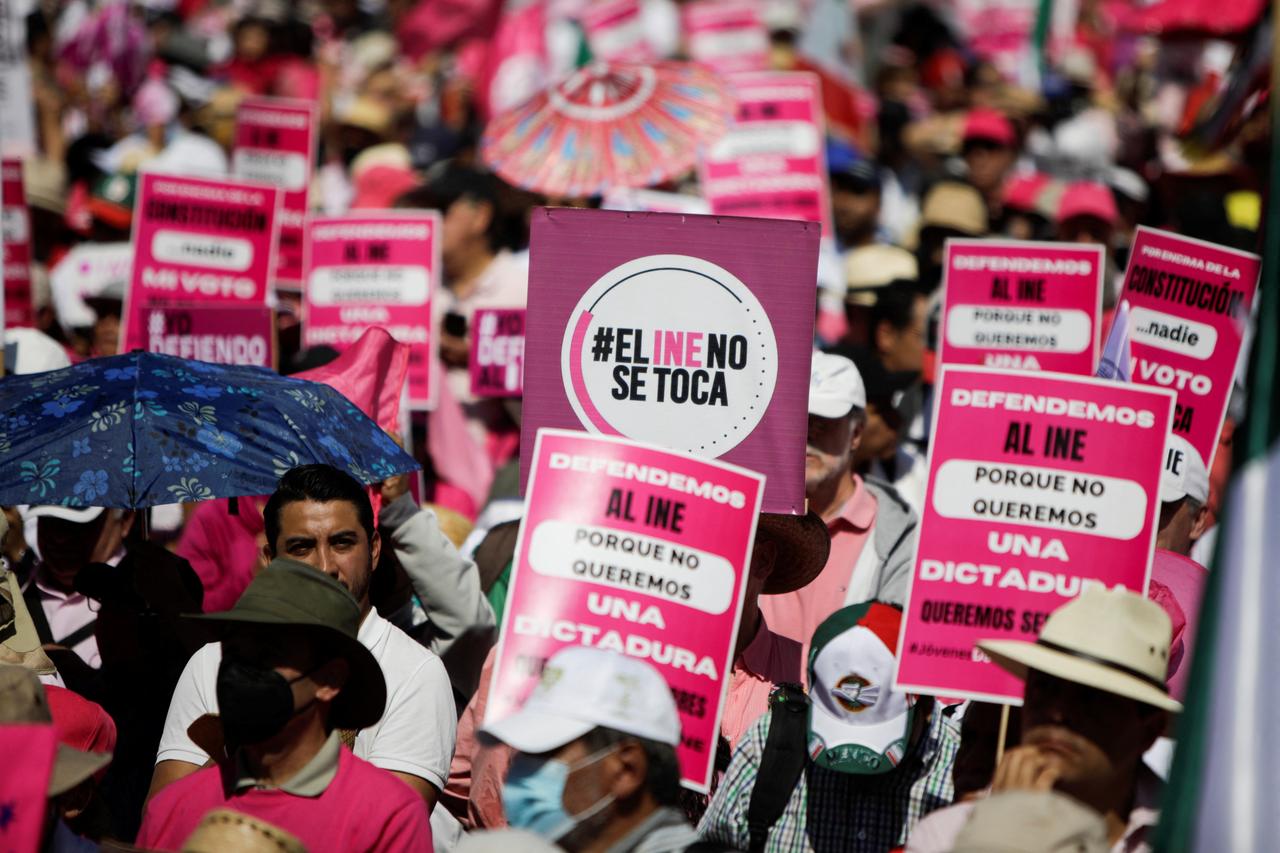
<point x="857" y="723"/>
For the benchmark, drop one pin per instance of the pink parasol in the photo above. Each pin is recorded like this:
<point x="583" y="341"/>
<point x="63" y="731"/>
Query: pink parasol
<point x="609" y="125"/>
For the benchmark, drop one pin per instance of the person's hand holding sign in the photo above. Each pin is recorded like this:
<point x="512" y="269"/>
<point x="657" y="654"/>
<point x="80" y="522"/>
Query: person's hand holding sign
<point x="394" y="487"/>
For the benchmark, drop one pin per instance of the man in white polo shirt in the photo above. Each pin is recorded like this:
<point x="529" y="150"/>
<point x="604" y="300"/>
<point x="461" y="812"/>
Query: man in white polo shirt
<point x="322" y="517"/>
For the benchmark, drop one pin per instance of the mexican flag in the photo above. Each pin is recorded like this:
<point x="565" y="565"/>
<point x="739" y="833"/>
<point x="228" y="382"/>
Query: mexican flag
<point x="1226" y="773"/>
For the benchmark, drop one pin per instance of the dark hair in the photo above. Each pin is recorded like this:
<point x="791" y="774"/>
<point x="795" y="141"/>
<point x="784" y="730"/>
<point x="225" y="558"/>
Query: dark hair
<point x="321" y="483"/>
<point x="895" y="304"/>
<point x="662" y="776"/>
<point x="975" y="761"/>
<point x="450" y="183"/>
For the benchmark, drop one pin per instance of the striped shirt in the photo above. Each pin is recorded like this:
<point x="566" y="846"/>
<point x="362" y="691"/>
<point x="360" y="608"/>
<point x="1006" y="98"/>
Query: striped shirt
<point x="830" y="810"/>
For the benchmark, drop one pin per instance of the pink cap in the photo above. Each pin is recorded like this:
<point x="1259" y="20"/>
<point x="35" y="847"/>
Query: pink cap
<point x="1021" y="191"/>
<point x="378" y="187"/>
<point x="986" y="123"/>
<point x="1086" y="198"/>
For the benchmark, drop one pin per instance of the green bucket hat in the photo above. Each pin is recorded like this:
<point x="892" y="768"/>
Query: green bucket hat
<point x="288" y="592"/>
<point x="858" y="723"/>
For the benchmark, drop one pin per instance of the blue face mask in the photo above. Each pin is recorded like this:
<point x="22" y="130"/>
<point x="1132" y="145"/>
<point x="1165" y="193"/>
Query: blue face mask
<point x="533" y="795"/>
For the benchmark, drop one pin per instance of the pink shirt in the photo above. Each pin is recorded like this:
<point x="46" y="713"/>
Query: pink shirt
<point x="474" y="791"/>
<point x="798" y="614"/>
<point x="362" y="808"/>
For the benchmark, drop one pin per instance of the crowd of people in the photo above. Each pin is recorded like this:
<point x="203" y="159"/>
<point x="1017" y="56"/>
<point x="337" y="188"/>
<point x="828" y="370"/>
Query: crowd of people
<point x="310" y="669"/>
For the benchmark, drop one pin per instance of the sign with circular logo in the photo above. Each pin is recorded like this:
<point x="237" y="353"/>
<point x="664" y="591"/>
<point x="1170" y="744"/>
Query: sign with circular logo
<point x="673" y="350"/>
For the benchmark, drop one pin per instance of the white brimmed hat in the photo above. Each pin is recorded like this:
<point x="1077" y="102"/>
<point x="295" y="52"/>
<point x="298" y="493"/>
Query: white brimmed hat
<point x="1184" y="474"/>
<point x="857" y="723"/>
<point x="582" y="688"/>
<point x="78" y="515"/>
<point x="1110" y="640"/>
<point x="835" y="386"/>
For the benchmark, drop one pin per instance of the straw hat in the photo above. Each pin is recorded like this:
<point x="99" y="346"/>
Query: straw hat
<point x="1109" y="640"/>
<point x="19" y="642"/>
<point x="869" y="268"/>
<point x="956" y="206"/>
<point x="224" y="829"/>
<point x="803" y="547"/>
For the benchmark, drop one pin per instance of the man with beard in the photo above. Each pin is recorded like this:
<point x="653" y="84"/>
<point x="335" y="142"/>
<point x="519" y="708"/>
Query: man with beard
<point x="872" y="528"/>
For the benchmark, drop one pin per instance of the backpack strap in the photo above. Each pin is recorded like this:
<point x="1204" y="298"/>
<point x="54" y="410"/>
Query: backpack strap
<point x="785" y="753"/>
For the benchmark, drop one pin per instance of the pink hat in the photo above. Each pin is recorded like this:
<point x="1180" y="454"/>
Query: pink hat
<point x="378" y="187"/>
<point x="989" y="124"/>
<point x="1021" y="191"/>
<point x="80" y="723"/>
<point x="1086" y="198"/>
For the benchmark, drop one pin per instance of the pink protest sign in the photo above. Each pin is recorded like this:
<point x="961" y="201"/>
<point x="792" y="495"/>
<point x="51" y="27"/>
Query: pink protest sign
<point x="629" y="548"/>
<point x="275" y="144"/>
<point x="497" y="352"/>
<point x="221" y="334"/>
<point x="772" y="163"/>
<point x="1189" y="303"/>
<point x="1012" y="303"/>
<point x="15" y="225"/>
<point x="692" y="333"/>
<point x="198" y="242"/>
<point x="727" y="35"/>
<point x="1040" y="485"/>
<point x="615" y="31"/>
<point x="375" y="269"/>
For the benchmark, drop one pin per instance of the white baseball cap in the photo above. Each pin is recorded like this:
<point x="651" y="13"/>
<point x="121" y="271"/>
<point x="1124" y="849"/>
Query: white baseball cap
<point x="1184" y="474"/>
<point x="858" y="723"/>
<point x="835" y="386"/>
<point x="77" y="515"/>
<point x="582" y="688"/>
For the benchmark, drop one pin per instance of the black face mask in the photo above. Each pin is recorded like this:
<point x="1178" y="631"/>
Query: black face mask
<point x="254" y="703"/>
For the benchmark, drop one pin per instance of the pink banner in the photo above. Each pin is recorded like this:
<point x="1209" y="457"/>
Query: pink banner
<point x="221" y="334"/>
<point x="638" y="550"/>
<point x="1189" y="304"/>
<point x="497" y="352"/>
<point x="28" y="752"/>
<point x="375" y="269"/>
<point x="692" y="333"/>
<point x="1032" y="306"/>
<point x="615" y="31"/>
<point x="275" y="144"/>
<point x="727" y="35"/>
<point x="16" y="228"/>
<point x="773" y="162"/>
<point x="1039" y="486"/>
<point x="198" y="242"/>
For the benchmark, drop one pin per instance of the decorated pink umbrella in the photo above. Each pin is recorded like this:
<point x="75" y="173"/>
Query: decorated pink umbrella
<point x="609" y="125"/>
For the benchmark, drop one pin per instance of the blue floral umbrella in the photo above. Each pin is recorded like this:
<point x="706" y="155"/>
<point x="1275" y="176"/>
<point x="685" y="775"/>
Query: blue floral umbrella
<point x="143" y="429"/>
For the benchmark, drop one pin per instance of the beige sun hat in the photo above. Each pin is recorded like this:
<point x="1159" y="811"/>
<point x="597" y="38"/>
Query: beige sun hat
<point x="869" y="268"/>
<point x="1111" y="640"/>
<point x="224" y="829"/>
<point x="956" y="206"/>
<point x="1032" y="822"/>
